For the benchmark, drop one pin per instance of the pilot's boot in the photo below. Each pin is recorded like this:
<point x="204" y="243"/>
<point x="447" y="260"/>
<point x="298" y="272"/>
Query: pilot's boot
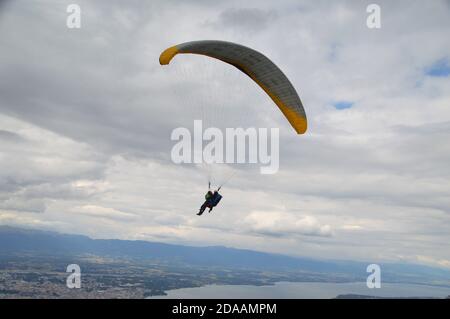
<point x="202" y="209"/>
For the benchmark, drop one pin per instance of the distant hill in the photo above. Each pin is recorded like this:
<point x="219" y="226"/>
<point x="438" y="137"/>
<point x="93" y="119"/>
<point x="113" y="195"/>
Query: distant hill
<point x="17" y="240"/>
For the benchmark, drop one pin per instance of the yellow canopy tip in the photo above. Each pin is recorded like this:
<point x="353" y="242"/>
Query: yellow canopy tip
<point x="168" y="55"/>
<point x="301" y="126"/>
<point x="298" y="122"/>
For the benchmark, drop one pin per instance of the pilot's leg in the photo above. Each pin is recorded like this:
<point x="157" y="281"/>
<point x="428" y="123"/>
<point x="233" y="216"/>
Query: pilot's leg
<point x="202" y="209"/>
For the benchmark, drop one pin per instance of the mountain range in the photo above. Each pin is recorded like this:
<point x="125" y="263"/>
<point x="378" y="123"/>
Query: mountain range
<point x="25" y="241"/>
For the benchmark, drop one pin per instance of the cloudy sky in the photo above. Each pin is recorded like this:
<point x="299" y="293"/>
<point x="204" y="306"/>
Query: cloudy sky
<point x="86" y="116"/>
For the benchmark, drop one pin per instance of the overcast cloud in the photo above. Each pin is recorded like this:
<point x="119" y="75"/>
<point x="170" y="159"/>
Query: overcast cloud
<point x="86" y="116"/>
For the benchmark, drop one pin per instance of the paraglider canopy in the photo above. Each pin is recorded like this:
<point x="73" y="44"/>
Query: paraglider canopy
<point x="257" y="66"/>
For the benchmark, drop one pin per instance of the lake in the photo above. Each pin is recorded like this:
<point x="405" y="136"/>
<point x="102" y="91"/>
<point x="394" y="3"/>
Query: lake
<point x="304" y="290"/>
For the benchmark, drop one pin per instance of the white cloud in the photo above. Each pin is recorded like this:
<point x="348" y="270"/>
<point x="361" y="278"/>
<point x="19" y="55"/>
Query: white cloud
<point x="103" y="212"/>
<point x="285" y="224"/>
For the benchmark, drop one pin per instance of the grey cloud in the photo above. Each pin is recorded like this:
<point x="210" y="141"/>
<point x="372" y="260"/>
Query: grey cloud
<point x="23" y="204"/>
<point x="248" y="20"/>
<point x="7" y="136"/>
